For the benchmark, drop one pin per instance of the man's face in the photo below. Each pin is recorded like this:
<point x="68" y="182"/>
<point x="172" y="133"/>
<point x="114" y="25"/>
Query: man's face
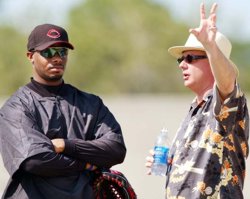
<point x="49" y="65"/>
<point x="196" y="71"/>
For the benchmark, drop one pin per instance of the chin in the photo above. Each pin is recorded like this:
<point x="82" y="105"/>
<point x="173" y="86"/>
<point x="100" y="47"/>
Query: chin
<point x="186" y="84"/>
<point x="189" y="86"/>
<point x="55" y="78"/>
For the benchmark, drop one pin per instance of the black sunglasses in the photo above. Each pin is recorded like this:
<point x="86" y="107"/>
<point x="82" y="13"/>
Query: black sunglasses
<point x="51" y="52"/>
<point x="190" y="58"/>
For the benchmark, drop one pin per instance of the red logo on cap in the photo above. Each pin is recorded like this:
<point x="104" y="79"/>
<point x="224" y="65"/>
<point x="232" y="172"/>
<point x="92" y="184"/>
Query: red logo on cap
<point x="52" y="33"/>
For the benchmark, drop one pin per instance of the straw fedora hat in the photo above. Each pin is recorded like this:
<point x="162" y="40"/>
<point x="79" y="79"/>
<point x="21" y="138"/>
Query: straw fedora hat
<point x="193" y="44"/>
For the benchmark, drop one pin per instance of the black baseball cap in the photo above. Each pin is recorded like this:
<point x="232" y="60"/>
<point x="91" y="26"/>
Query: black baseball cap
<point x="46" y="35"/>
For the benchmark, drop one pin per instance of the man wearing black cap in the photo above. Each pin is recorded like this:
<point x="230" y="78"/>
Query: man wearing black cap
<point x="52" y="134"/>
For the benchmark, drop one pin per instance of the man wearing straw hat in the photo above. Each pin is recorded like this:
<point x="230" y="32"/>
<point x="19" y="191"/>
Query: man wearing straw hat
<point x="209" y="151"/>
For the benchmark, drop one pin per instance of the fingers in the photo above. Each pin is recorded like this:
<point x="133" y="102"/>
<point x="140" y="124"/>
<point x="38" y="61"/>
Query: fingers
<point x="206" y="23"/>
<point x="90" y="167"/>
<point x="149" y="172"/>
<point x="212" y="28"/>
<point x="149" y="165"/>
<point x="202" y="11"/>
<point x="213" y="8"/>
<point x="212" y="18"/>
<point x="149" y="161"/>
<point x="59" y="145"/>
<point x="151" y="152"/>
<point x="212" y="11"/>
<point x="195" y="32"/>
<point x="213" y="14"/>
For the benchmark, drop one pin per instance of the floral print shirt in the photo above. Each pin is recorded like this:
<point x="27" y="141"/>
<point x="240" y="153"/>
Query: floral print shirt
<point x="210" y="148"/>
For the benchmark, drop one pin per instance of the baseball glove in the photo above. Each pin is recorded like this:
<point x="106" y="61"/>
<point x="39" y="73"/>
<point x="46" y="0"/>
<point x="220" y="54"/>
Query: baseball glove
<point x="111" y="184"/>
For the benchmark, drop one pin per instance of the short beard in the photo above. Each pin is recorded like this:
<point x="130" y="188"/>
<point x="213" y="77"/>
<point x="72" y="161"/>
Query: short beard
<point x="54" y="78"/>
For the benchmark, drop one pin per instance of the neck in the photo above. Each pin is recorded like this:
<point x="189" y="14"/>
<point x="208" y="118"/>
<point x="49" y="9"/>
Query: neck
<point x="200" y="97"/>
<point x="48" y="82"/>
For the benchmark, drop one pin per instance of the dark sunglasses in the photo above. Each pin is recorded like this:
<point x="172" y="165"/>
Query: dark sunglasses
<point x="190" y="58"/>
<point x="51" y="52"/>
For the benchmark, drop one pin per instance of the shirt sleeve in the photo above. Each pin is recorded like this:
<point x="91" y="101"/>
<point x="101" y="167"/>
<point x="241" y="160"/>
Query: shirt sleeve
<point x="24" y="146"/>
<point x="101" y="153"/>
<point x="105" y="146"/>
<point x="233" y="117"/>
<point x="52" y="165"/>
<point x="231" y="110"/>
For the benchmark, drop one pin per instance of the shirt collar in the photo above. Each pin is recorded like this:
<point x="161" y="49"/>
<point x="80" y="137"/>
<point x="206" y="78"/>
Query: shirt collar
<point x="206" y="96"/>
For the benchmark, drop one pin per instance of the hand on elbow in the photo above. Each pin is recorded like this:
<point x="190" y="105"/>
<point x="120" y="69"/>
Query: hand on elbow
<point x="59" y="145"/>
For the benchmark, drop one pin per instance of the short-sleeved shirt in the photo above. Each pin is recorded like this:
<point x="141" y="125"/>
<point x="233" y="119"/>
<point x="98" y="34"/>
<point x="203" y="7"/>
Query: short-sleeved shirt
<point x="210" y="149"/>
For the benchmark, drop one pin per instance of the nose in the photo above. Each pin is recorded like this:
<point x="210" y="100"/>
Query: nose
<point x="58" y="55"/>
<point x="57" y="58"/>
<point x="183" y="65"/>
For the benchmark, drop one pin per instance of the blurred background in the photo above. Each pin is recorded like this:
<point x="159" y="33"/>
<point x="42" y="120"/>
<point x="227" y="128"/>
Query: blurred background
<point x="121" y="55"/>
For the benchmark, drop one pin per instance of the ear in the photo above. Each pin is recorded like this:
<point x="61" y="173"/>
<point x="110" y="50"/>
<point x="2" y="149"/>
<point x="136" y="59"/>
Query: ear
<point x="30" y="56"/>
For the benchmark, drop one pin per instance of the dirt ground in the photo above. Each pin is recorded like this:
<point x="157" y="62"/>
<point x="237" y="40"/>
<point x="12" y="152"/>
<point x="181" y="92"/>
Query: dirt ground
<point x="142" y="117"/>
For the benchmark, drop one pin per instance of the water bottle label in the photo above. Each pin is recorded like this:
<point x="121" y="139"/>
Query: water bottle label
<point x="160" y="155"/>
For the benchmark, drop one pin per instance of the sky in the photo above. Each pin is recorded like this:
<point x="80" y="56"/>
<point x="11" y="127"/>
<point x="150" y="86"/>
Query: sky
<point x="232" y="15"/>
<point x="25" y="14"/>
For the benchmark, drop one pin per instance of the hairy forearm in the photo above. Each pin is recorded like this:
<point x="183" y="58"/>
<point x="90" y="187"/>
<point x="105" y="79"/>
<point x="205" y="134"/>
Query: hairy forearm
<point x="223" y="71"/>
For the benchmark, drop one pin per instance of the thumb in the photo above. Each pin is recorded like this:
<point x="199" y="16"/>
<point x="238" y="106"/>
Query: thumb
<point x="194" y="32"/>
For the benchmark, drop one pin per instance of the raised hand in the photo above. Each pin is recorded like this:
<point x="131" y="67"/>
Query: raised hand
<point x="206" y="32"/>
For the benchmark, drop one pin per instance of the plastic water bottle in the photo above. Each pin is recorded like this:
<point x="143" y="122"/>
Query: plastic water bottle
<point x="161" y="150"/>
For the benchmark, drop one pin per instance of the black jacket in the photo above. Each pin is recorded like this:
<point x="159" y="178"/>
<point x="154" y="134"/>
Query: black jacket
<point x="33" y="116"/>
